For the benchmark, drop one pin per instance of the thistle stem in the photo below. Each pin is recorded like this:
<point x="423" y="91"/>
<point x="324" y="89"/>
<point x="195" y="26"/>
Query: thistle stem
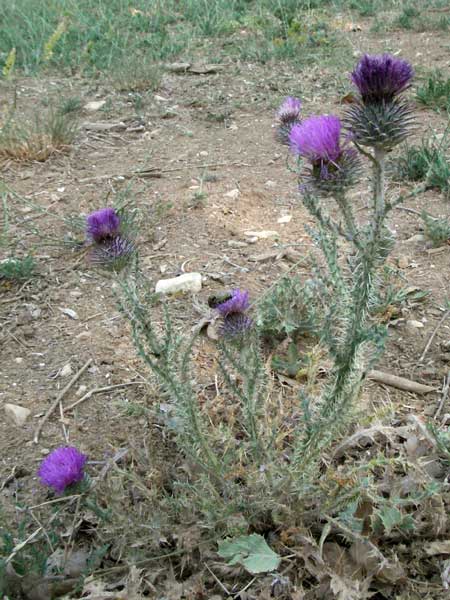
<point x="379" y="189"/>
<point x="362" y="289"/>
<point x="349" y="219"/>
<point x="348" y="378"/>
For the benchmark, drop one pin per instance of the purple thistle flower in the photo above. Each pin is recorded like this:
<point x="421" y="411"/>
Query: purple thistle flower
<point x="380" y="78"/>
<point x="289" y="110"/>
<point x="62" y="467"/>
<point x="235" y="320"/>
<point x="317" y="139"/>
<point x="102" y="224"/>
<point x="238" y="303"/>
<point x="333" y="165"/>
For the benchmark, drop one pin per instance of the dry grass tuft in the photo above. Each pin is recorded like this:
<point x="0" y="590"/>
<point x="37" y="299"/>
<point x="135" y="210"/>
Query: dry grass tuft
<point x="37" y="139"/>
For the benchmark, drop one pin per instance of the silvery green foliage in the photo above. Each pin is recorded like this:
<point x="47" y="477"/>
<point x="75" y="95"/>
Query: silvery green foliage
<point x="437" y="230"/>
<point x="349" y="287"/>
<point x="168" y="356"/>
<point x="289" y="309"/>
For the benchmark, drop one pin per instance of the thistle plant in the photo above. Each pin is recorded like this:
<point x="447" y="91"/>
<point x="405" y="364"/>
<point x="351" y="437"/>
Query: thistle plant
<point x="265" y="457"/>
<point x="329" y="164"/>
<point x="109" y="246"/>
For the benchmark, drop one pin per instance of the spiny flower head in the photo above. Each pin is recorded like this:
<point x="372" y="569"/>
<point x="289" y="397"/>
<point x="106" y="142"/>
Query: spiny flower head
<point x="288" y="115"/>
<point x="235" y="321"/>
<point x="113" y="252"/>
<point x="102" y="224"/>
<point x="62" y="467"/>
<point x="238" y="302"/>
<point x="318" y="141"/>
<point x="289" y="110"/>
<point x="381" y="118"/>
<point x="236" y="324"/>
<point x="381" y="77"/>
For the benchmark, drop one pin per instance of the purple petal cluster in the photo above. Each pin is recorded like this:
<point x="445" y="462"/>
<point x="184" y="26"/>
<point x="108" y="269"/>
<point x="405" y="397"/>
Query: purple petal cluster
<point x="317" y="138"/>
<point x="235" y="320"/>
<point x="289" y="110"/>
<point x="333" y="165"/>
<point x="238" y="303"/>
<point x="109" y="247"/>
<point x="102" y="224"/>
<point x="380" y="78"/>
<point x="62" y="467"/>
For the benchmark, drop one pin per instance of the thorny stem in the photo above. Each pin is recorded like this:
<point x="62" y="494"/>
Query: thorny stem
<point x="324" y="219"/>
<point x="347" y="380"/>
<point x="353" y="233"/>
<point x="379" y="201"/>
<point x="362" y="288"/>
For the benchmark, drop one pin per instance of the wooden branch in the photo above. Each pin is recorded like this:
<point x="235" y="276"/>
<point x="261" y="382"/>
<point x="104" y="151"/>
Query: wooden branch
<point x="400" y="382"/>
<point x="427" y="347"/>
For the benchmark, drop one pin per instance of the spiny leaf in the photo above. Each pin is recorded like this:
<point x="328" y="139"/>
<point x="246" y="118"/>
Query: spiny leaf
<point x="251" y="551"/>
<point x="390" y="517"/>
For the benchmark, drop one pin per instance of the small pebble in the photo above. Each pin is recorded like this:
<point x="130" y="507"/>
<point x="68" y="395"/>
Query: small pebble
<point x="81" y="390"/>
<point x="17" y="414"/>
<point x="66" y="370"/>
<point x="233" y="194"/>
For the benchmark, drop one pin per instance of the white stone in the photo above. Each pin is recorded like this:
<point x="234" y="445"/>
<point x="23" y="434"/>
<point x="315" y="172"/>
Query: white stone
<point x="414" y="324"/>
<point x="94" y="105"/>
<point x="66" y="370"/>
<point x="237" y="244"/>
<point x="84" y="335"/>
<point x="69" y="313"/>
<point x="81" y="390"/>
<point x="233" y="194"/>
<point x="285" y="219"/>
<point x="17" y="414"/>
<point x="262" y="235"/>
<point x="418" y="237"/>
<point x="189" y="282"/>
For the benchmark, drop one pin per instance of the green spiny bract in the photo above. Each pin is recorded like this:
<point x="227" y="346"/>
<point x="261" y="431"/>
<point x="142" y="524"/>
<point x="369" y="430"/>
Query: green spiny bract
<point x="382" y="125"/>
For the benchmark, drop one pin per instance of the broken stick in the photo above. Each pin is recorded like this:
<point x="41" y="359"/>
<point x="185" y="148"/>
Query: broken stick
<point x="87" y="395"/>
<point x="400" y="382"/>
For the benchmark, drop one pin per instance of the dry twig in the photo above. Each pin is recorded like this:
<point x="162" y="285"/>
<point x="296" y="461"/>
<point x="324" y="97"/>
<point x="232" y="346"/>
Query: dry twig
<point x="100" y="390"/>
<point x="427" y="347"/>
<point x="400" y="382"/>
<point x="444" y="395"/>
